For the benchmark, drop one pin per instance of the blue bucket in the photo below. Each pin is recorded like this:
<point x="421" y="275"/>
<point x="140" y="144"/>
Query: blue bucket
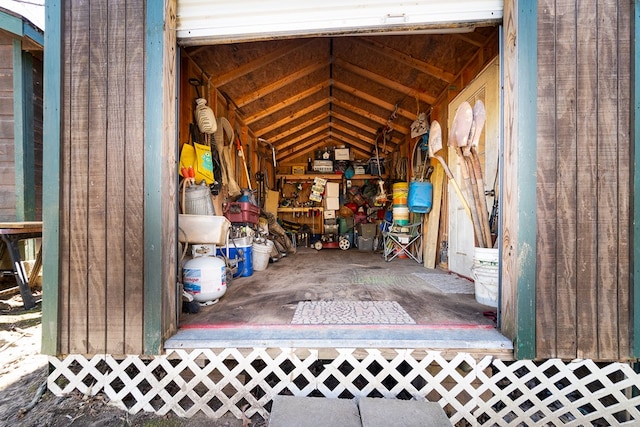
<point x="245" y="267"/>
<point x="420" y="196"/>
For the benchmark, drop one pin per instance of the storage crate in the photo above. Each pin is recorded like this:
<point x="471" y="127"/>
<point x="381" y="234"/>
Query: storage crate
<point x="298" y="169"/>
<point x="242" y="212"/>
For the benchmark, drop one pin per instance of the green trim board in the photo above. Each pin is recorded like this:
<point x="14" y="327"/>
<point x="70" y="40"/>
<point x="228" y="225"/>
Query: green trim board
<point x="635" y="135"/>
<point x="153" y="119"/>
<point x="18" y="129"/>
<point x="526" y="121"/>
<point x="51" y="176"/>
<point x="11" y="23"/>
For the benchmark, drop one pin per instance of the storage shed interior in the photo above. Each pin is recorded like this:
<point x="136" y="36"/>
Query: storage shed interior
<point x="295" y="102"/>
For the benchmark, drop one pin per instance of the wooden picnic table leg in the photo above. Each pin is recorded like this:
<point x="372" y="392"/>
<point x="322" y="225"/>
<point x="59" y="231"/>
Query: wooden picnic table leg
<point x="11" y="242"/>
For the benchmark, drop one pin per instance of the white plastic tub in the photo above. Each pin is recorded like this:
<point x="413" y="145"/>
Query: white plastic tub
<point x="208" y="229"/>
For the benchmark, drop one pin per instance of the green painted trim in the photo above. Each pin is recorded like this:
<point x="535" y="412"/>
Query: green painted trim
<point x="19" y="164"/>
<point x="11" y="23"/>
<point x="153" y="119"/>
<point x="635" y="135"/>
<point x="51" y="175"/>
<point x="526" y="121"/>
<point x="28" y="142"/>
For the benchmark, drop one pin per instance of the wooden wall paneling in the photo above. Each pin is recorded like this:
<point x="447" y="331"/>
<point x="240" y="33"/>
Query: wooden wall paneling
<point x="587" y="161"/>
<point x="547" y="167"/>
<point x="608" y="151"/>
<point x="134" y="178"/>
<point x="635" y="148"/>
<point x="38" y="108"/>
<point x="116" y="101"/>
<point x="624" y="179"/>
<point x="97" y="179"/>
<point x="78" y="164"/>
<point x="568" y="151"/>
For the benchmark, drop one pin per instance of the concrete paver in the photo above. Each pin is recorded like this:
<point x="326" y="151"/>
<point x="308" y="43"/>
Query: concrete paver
<point x="290" y="411"/>
<point x="401" y="413"/>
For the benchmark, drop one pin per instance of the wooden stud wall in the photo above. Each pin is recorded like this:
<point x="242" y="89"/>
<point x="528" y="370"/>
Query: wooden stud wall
<point x="584" y="176"/>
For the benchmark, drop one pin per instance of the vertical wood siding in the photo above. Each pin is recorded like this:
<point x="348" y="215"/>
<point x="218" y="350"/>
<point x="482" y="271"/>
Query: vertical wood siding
<point x="583" y="180"/>
<point x="102" y="200"/>
<point x="7" y="148"/>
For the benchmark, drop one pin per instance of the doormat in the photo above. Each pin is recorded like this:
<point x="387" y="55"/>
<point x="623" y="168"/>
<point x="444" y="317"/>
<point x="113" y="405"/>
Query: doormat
<point x="351" y="313"/>
<point x="448" y="283"/>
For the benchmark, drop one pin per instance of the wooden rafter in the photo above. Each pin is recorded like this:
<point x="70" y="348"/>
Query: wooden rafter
<point x="302" y="145"/>
<point x="289" y="101"/>
<point x="288" y="119"/>
<point x="361" y="125"/>
<point x="272" y="87"/>
<point x="384" y="81"/>
<point x="292" y="130"/>
<point x="406" y="60"/>
<point x="303" y="136"/>
<point x="374" y="100"/>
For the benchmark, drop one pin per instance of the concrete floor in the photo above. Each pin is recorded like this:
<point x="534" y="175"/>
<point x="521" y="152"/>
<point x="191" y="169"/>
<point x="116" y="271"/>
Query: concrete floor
<point x="260" y="308"/>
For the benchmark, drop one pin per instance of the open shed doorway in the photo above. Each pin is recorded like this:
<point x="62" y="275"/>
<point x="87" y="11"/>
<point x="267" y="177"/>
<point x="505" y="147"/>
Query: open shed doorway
<point x="340" y="97"/>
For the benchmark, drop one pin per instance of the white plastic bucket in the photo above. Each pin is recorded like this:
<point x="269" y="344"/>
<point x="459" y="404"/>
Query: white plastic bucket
<point x="261" y="255"/>
<point x="485" y="273"/>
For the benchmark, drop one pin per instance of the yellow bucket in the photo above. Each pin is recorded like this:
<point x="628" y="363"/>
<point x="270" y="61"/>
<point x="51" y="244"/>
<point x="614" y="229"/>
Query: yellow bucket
<point x="400" y="193"/>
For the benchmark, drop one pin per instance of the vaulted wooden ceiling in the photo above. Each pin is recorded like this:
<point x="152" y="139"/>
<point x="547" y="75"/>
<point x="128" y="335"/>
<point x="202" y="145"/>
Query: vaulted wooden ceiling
<point x="307" y="93"/>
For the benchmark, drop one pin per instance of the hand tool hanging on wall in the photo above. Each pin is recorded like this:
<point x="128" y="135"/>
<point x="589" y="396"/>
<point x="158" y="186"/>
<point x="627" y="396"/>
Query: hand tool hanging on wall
<point x="224" y="138"/>
<point x="244" y="161"/>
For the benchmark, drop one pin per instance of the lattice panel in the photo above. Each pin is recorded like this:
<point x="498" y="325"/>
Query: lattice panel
<point x="485" y="392"/>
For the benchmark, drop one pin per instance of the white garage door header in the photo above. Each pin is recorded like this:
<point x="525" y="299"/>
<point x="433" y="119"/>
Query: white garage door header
<point x="213" y="22"/>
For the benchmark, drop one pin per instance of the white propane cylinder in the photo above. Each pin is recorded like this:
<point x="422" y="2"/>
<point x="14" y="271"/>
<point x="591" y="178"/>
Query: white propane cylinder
<point x="205" y="278"/>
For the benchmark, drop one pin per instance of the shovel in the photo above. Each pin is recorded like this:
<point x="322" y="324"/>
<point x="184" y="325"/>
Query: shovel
<point x="435" y="145"/>
<point x="461" y="129"/>
<point x="471" y="152"/>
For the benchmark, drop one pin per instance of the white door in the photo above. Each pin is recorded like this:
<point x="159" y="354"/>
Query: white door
<point x="461" y="242"/>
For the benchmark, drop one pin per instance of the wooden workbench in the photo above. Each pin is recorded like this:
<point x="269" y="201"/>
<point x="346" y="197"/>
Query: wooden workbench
<point x="12" y="233"/>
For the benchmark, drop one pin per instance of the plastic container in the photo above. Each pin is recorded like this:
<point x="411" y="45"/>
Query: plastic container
<point x="401" y="214"/>
<point x="211" y="229"/>
<point x="365" y="243"/>
<point x="485" y="274"/>
<point x="205" y="278"/>
<point x="261" y="255"/>
<point x="420" y="196"/>
<point x="400" y="193"/>
<point x="242" y="212"/>
<point x="240" y="250"/>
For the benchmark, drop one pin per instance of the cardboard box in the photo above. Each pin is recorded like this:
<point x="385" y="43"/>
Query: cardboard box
<point x="332" y="203"/>
<point x="332" y="189"/>
<point x="341" y="154"/>
<point x="329" y="214"/>
<point x="297" y="170"/>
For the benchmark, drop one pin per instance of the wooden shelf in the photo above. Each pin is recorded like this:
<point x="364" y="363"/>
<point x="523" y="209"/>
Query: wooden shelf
<point x="311" y="208"/>
<point x="329" y="177"/>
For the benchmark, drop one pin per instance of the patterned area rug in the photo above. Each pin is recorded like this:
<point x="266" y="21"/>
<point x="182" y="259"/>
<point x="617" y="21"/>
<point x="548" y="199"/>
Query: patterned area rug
<point x="448" y="283"/>
<point x="351" y="313"/>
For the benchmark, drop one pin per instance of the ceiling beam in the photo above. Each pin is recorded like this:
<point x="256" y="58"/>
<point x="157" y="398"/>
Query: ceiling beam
<point x="279" y="84"/>
<point x="297" y="128"/>
<point x="372" y="99"/>
<point x="476" y="39"/>
<point x="241" y="70"/>
<point x="287" y="102"/>
<point x="302" y="145"/>
<point x="384" y="81"/>
<point x="361" y="125"/>
<point x="284" y="146"/>
<point x="288" y="119"/>
<point x="406" y="59"/>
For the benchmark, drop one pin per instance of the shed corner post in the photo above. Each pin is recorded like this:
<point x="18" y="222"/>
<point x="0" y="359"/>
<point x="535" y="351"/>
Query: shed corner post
<point x="635" y="138"/>
<point x="159" y="174"/>
<point x="51" y="173"/>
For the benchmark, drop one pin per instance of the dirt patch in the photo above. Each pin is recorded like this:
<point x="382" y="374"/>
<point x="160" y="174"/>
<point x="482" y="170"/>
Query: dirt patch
<point x="23" y="374"/>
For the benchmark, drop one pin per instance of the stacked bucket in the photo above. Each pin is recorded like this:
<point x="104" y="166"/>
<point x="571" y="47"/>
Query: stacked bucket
<point x="400" y="207"/>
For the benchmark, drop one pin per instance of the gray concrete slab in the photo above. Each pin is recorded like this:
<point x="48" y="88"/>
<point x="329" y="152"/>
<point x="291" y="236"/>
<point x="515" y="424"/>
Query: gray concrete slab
<point x="290" y="411"/>
<point x="401" y="413"/>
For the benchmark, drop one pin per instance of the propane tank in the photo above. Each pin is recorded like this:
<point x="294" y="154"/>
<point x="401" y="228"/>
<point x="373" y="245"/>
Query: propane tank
<point x="205" y="278"/>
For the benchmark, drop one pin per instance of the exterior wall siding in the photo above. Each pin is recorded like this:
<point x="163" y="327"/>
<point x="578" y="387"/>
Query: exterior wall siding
<point x="583" y="180"/>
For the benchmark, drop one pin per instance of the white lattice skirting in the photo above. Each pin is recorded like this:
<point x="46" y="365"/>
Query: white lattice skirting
<point x="484" y="392"/>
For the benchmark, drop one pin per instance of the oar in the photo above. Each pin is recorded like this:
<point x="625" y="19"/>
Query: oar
<point x="435" y="145"/>
<point x="458" y="138"/>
